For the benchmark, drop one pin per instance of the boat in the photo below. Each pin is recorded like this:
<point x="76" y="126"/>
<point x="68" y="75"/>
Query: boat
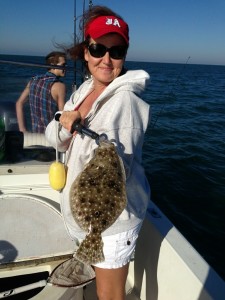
<point x="34" y="242"/>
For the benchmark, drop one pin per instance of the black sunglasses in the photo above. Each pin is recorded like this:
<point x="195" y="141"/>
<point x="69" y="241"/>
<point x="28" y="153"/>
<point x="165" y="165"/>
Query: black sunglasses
<point x="115" y="52"/>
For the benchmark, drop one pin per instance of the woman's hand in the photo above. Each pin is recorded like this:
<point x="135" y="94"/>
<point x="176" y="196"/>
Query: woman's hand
<point x="67" y="119"/>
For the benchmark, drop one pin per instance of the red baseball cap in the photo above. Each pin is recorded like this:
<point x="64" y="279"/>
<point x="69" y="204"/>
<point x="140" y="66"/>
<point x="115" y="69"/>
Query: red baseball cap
<point x="107" y="24"/>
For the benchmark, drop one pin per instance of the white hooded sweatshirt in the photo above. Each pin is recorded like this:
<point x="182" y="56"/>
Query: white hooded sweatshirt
<point x="120" y="114"/>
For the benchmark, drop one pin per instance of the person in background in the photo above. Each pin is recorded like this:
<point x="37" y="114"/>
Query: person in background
<point x="108" y="102"/>
<point x="45" y="93"/>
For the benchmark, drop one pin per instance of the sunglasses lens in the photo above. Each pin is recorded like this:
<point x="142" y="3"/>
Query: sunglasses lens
<point x="118" y="52"/>
<point x="115" y="52"/>
<point x="97" y="50"/>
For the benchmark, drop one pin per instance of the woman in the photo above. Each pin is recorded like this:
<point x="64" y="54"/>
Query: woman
<point x="107" y="103"/>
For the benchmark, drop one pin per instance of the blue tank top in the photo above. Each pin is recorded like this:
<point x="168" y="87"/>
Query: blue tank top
<point x="42" y="105"/>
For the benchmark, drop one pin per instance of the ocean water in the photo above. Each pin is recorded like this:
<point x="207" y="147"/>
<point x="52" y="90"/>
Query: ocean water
<point x="184" y="149"/>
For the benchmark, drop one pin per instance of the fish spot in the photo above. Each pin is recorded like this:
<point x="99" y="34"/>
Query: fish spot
<point x="111" y="183"/>
<point x="82" y="183"/>
<point x="104" y="222"/>
<point x="92" y="182"/>
<point x="106" y="201"/>
<point x="114" y="164"/>
<point x="94" y="230"/>
<point x="87" y="218"/>
<point x="93" y="240"/>
<point x="82" y="200"/>
<point x="91" y="202"/>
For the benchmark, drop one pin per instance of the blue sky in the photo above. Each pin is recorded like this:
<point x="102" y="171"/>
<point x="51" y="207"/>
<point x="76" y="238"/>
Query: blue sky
<point x="160" y="30"/>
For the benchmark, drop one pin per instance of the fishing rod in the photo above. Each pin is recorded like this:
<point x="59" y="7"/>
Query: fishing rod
<point x="74" y="86"/>
<point x="20" y="63"/>
<point x="24" y="64"/>
<point x="84" y="77"/>
<point x="171" y="92"/>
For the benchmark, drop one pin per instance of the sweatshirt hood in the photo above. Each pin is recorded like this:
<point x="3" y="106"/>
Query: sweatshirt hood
<point x="134" y="81"/>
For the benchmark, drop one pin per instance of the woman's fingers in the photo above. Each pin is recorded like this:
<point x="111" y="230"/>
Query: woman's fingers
<point x="68" y="118"/>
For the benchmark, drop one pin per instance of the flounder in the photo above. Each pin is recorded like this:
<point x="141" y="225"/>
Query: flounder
<point x="97" y="198"/>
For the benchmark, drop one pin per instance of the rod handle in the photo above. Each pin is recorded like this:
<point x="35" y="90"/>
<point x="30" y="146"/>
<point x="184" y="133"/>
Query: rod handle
<point x="77" y="126"/>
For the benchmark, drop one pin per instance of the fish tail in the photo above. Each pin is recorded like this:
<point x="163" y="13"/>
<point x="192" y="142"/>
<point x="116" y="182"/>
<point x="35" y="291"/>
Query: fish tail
<point x="90" y="250"/>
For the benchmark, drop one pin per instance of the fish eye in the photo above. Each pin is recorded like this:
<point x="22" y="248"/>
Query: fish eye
<point x="97" y="214"/>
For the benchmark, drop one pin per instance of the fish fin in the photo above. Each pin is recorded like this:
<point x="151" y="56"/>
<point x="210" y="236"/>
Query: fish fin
<point x="90" y="250"/>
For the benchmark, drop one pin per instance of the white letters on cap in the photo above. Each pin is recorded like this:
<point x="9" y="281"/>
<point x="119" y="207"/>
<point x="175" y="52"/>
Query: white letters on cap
<point x="114" y="22"/>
